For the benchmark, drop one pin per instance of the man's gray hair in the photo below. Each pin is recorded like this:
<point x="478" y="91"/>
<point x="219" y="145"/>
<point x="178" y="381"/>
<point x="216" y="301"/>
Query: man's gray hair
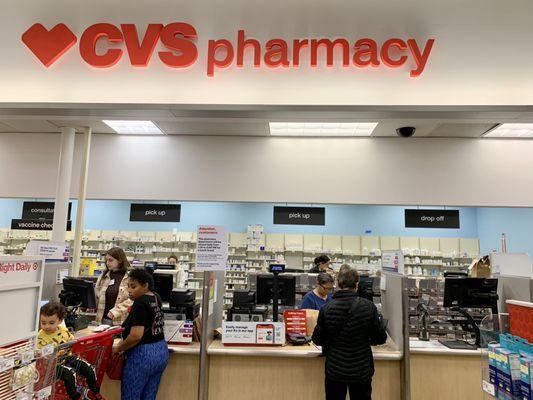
<point x="347" y="277"/>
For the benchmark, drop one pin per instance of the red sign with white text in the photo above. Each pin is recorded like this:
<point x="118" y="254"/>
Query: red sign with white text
<point x="295" y="321"/>
<point x="180" y="49"/>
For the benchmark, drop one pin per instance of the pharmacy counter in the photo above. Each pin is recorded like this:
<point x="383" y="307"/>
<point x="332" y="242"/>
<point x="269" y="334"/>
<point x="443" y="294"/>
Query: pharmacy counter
<point x="440" y="373"/>
<point x="295" y="372"/>
<point x="180" y="379"/>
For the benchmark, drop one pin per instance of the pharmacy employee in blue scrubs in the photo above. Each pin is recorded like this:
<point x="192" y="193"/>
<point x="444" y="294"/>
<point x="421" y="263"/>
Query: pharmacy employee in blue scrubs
<point x="320" y="295"/>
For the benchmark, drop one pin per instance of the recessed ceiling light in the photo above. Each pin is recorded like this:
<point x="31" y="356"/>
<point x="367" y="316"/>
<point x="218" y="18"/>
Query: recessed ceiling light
<point x="322" y="128"/>
<point x="511" y="131"/>
<point x="130" y="127"/>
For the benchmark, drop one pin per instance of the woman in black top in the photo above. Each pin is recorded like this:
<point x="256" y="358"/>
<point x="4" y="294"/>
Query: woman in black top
<point x="346" y="328"/>
<point x="322" y="264"/>
<point x="143" y="341"/>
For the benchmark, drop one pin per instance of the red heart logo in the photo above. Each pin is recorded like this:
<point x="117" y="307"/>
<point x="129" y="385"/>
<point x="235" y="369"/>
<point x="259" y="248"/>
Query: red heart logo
<point x="49" y="45"/>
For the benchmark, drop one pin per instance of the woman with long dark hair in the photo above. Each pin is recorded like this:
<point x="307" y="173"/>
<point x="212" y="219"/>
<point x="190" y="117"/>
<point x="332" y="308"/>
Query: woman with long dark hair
<point x="112" y="289"/>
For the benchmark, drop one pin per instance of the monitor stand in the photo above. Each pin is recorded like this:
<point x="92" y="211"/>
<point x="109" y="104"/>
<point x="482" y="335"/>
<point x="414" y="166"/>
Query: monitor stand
<point x="458" y="344"/>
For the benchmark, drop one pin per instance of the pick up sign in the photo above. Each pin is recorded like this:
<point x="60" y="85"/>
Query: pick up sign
<point x="299" y="215"/>
<point x="155" y="212"/>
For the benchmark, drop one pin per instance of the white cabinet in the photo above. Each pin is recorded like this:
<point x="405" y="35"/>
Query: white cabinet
<point x="185" y="236"/>
<point x="312" y="243"/>
<point x="109" y="235"/>
<point x="69" y="236"/>
<point x="275" y="241"/>
<point x="294" y="242"/>
<point x="449" y="247"/>
<point x="165" y="236"/>
<point x="409" y="243"/>
<point x="92" y="234"/>
<point x="351" y="245"/>
<point x="332" y="244"/>
<point x="432" y="245"/>
<point x="469" y="247"/>
<point x="390" y="243"/>
<point x="144" y="236"/>
<point x="370" y="244"/>
<point x="237" y="239"/>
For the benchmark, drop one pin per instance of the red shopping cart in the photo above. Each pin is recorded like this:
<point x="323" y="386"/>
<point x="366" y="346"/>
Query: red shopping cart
<point x="96" y="350"/>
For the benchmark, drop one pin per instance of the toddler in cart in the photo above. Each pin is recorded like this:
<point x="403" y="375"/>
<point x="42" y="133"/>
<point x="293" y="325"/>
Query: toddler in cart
<point x="53" y="332"/>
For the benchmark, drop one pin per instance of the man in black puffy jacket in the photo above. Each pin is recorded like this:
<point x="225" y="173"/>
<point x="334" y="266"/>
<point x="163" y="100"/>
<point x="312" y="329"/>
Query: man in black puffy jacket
<point x="347" y="326"/>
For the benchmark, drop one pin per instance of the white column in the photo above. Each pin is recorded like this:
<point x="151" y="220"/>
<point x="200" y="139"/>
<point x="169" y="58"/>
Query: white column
<point x="76" y="252"/>
<point x="64" y="173"/>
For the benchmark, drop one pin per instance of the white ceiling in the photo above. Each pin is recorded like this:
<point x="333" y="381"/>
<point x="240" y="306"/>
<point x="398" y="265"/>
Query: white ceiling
<point x="468" y="122"/>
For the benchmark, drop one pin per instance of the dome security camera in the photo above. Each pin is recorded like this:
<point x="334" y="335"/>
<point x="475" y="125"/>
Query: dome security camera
<point x="406" y="131"/>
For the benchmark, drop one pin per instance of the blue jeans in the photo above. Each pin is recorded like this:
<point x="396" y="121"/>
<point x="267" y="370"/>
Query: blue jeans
<point x="143" y="368"/>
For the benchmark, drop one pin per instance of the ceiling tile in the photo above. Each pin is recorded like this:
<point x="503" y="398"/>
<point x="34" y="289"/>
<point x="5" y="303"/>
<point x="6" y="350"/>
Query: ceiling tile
<point x="460" y="130"/>
<point x="214" y="128"/>
<point x="31" y="125"/>
<point x="96" y="126"/>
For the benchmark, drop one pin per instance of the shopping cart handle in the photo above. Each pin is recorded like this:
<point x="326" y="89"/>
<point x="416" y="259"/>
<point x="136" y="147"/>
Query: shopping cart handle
<point x="66" y="345"/>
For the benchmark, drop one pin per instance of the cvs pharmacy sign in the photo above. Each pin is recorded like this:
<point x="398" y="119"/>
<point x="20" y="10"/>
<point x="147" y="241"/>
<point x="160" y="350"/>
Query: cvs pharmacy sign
<point x="103" y="45"/>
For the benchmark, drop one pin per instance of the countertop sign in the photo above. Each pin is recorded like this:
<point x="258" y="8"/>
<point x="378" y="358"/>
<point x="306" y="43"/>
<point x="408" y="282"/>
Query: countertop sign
<point x="299" y="215"/>
<point x="447" y="219"/>
<point x="40" y="210"/>
<point x="155" y="212"/>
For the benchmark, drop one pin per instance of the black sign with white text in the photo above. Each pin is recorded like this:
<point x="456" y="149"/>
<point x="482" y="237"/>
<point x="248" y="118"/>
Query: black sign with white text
<point x="299" y="215"/>
<point x="40" y="210"/>
<point x="36" y="224"/>
<point x="445" y="219"/>
<point x="155" y="212"/>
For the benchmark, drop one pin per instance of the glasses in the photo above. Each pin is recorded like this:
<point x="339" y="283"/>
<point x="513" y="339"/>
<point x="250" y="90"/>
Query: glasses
<point x="327" y="289"/>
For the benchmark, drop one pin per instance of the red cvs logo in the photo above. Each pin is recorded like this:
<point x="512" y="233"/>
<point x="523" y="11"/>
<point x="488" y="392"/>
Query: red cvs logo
<point x="49" y="45"/>
<point x="103" y="45"/>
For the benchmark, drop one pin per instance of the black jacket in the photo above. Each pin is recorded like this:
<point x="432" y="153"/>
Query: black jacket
<point x="346" y="338"/>
<point x="314" y="270"/>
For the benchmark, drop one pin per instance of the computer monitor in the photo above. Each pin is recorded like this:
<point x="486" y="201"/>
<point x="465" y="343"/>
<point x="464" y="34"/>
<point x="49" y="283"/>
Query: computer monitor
<point x="78" y="292"/>
<point x="471" y="293"/>
<point x="163" y="285"/>
<point x="165" y="266"/>
<point x="286" y="289"/>
<point x="182" y="297"/>
<point x="243" y="299"/>
<point x="365" y="289"/>
<point x="150" y="265"/>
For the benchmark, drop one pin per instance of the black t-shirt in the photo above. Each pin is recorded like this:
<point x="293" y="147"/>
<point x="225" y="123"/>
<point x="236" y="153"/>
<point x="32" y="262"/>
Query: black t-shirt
<point x="146" y="311"/>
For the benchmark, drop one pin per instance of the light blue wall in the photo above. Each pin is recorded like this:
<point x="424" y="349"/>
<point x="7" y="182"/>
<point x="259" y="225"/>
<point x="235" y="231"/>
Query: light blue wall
<point x="10" y="209"/>
<point x="516" y="223"/>
<point x="340" y="219"/>
<point x="485" y="223"/>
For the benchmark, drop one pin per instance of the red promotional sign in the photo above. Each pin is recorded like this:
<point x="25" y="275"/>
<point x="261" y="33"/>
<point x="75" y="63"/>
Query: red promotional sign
<point x="179" y="41"/>
<point x="295" y="321"/>
<point x="8" y="267"/>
